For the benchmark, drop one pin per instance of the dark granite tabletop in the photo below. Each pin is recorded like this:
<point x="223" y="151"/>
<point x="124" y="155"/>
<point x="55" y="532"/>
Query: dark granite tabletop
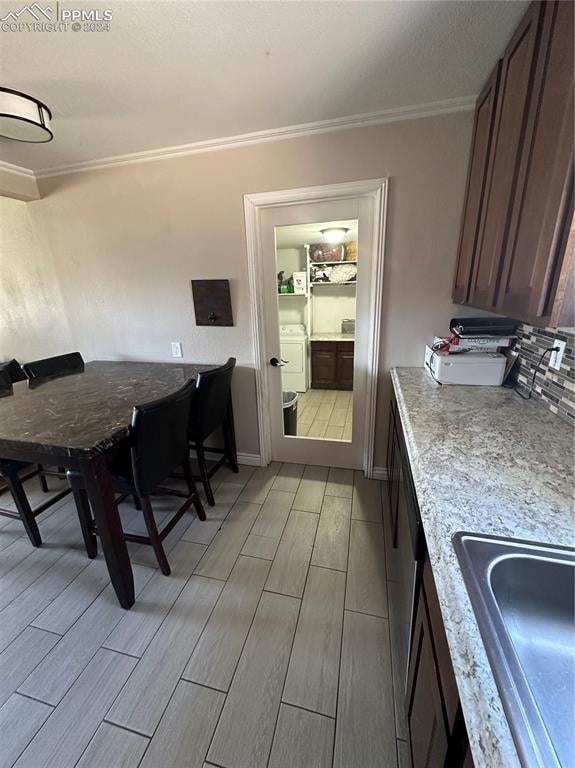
<point x="85" y="413"/>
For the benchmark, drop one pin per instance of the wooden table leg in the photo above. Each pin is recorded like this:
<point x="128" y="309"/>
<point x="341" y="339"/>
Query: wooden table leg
<point x="105" y="511"/>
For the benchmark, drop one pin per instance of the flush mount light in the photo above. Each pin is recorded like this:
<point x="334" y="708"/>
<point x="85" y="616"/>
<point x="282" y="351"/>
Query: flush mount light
<point x="334" y="235"/>
<point x="24" y="118"/>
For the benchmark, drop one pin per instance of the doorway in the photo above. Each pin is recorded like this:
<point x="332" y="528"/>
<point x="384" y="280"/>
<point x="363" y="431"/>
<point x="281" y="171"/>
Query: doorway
<point x="316" y="267"/>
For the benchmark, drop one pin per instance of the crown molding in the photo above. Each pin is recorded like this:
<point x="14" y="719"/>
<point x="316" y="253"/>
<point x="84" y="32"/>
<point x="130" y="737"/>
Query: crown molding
<point x="16" y="170"/>
<point x="418" y="111"/>
<point x="18" y="183"/>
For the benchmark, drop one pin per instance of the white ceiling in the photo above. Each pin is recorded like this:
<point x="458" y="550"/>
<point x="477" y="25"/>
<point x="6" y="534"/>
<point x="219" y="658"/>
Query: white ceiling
<point x="296" y="235"/>
<point x="170" y="73"/>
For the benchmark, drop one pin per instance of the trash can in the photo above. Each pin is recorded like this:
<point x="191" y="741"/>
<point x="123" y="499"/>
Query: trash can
<point x="290" y="413"/>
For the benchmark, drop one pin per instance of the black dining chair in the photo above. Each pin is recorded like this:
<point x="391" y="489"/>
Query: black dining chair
<point x="14" y="473"/>
<point x="52" y="367"/>
<point x="12" y="370"/>
<point x="158" y="444"/>
<point x="212" y="409"/>
<point x="6" y="386"/>
<point x="38" y="371"/>
<point x="10" y="373"/>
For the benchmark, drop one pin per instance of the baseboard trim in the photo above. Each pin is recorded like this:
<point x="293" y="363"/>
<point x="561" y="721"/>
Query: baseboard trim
<point x="255" y="460"/>
<point x="251" y="459"/>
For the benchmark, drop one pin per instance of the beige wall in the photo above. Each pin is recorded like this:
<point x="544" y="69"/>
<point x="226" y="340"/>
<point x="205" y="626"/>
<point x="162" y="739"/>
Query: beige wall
<point x="33" y="321"/>
<point x="126" y="242"/>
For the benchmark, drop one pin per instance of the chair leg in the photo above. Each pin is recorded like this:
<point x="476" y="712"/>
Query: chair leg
<point x="43" y="481"/>
<point x="155" y="540"/>
<point x="85" y="515"/>
<point x="193" y="491"/>
<point x="230" y="438"/>
<point x="203" y="467"/>
<point x="24" y="509"/>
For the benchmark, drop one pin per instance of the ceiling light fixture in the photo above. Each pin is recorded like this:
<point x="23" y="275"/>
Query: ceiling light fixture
<point x="24" y="118"/>
<point x="334" y="235"/>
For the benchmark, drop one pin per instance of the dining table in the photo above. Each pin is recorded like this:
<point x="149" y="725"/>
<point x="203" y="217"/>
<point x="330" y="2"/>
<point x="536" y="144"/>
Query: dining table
<point x="78" y="421"/>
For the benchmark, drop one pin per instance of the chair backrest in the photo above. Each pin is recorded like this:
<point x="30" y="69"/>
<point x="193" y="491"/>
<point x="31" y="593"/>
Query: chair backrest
<point x="6" y="387"/>
<point x="12" y="370"/>
<point x="210" y="400"/>
<point x="160" y="438"/>
<point x="54" y="366"/>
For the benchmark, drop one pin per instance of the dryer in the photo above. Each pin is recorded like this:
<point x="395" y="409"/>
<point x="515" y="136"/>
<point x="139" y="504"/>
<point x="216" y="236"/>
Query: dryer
<point x="294" y="349"/>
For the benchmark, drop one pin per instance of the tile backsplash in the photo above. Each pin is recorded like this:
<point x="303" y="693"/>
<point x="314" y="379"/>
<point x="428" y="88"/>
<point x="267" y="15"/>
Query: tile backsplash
<point x="555" y="388"/>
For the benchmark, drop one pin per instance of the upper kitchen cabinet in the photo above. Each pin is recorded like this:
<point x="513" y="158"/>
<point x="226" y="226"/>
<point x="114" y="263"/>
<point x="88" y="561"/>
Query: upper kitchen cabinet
<point x="480" y="148"/>
<point x="513" y="253"/>
<point x="515" y="87"/>
<point x="543" y="206"/>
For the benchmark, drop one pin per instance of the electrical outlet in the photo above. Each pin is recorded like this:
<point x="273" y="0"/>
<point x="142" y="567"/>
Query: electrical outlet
<point x="556" y="357"/>
<point x="177" y="349"/>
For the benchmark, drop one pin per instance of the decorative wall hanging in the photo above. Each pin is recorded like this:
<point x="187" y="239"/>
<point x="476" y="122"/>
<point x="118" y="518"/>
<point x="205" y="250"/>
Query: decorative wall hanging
<point x="212" y="302"/>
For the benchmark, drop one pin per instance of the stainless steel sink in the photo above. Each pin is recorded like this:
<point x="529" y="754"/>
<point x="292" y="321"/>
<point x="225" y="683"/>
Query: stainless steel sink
<point x="523" y="595"/>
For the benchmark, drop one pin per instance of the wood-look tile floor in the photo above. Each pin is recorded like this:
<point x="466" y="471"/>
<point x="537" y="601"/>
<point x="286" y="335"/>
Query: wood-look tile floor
<point x="269" y="646"/>
<point x="325" y="413"/>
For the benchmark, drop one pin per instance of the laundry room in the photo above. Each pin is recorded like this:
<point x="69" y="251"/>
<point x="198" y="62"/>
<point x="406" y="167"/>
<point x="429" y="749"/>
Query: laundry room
<point x="317" y="279"/>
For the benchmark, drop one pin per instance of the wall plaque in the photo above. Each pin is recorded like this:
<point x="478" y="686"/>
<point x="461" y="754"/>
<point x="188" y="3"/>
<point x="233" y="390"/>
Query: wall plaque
<point x="212" y="302"/>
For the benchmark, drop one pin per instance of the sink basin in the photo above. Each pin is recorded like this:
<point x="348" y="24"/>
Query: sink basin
<point x="523" y="596"/>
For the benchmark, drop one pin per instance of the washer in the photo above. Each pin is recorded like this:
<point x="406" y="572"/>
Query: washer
<point x="294" y="349"/>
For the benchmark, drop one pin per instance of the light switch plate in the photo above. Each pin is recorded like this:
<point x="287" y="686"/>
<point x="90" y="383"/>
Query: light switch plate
<point x="556" y="357"/>
<point x="177" y="349"/>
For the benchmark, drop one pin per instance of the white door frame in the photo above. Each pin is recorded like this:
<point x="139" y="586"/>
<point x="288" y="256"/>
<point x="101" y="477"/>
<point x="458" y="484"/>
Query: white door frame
<point x="374" y="190"/>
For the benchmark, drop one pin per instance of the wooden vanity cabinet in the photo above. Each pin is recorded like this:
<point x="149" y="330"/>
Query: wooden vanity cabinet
<point x="332" y="364"/>
<point x="513" y="253"/>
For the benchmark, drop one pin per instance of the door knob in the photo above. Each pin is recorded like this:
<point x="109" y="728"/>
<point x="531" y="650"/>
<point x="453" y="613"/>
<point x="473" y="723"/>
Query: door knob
<point x="278" y="363"/>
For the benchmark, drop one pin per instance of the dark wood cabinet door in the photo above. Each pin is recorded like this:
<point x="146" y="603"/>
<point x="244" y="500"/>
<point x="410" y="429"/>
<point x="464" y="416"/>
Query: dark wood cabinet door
<point x="446" y="676"/>
<point x="427" y="731"/>
<point x="323" y="365"/>
<point x="345" y="365"/>
<point x="563" y="313"/>
<point x="476" y="185"/>
<point x="515" y="88"/>
<point x="543" y="204"/>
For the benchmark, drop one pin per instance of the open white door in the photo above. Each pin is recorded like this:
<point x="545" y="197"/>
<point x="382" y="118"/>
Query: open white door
<point x="333" y="373"/>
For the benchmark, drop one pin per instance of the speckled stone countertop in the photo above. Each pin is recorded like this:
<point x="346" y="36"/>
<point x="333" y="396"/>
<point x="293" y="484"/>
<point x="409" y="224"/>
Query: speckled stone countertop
<point x="85" y="413"/>
<point x="332" y="337"/>
<point x="483" y="461"/>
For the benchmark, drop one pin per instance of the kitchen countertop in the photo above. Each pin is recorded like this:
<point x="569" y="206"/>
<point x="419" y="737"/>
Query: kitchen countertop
<point x="485" y="461"/>
<point x="332" y="337"/>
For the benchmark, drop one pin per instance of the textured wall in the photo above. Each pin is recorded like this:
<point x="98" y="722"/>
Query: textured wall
<point x="127" y="240"/>
<point x="33" y="320"/>
<point x="555" y="388"/>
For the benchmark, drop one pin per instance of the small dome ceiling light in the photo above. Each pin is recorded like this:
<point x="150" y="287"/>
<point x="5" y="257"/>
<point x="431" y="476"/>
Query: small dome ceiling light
<point x="24" y="118"/>
<point x="334" y="235"/>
